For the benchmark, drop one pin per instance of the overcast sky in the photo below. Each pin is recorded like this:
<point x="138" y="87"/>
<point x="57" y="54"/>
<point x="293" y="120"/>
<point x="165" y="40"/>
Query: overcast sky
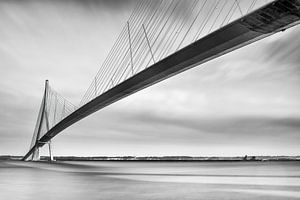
<point x="246" y="102"/>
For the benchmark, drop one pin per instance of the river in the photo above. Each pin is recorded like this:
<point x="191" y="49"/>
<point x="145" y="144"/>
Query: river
<point x="149" y="180"/>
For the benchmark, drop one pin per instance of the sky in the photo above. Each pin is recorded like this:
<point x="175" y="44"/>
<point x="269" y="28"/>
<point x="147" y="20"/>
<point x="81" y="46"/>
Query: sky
<point x="245" y="102"/>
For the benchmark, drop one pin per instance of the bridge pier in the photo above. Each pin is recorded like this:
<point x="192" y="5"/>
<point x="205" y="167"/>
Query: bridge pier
<point x="36" y="154"/>
<point x="50" y="151"/>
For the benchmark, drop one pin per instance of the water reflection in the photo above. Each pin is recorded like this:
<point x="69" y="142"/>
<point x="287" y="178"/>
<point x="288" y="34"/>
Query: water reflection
<point x="149" y="180"/>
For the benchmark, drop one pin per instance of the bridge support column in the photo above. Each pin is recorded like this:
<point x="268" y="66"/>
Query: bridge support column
<point x="50" y="151"/>
<point x="36" y="154"/>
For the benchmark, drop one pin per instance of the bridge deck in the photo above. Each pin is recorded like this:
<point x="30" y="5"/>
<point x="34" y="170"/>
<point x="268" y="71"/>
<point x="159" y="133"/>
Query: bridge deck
<point x="272" y="18"/>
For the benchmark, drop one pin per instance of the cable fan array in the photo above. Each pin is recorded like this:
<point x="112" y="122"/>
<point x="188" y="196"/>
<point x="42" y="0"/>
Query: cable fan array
<point x="159" y="28"/>
<point x="155" y="30"/>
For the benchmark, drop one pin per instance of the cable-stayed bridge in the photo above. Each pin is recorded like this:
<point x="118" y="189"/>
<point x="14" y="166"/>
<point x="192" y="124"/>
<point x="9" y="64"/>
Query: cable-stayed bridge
<point x="160" y="39"/>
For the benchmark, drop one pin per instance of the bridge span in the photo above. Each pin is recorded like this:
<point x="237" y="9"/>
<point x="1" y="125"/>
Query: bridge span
<point x="274" y="17"/>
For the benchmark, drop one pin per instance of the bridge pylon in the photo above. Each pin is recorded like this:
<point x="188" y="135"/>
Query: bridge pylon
<point x="42" y="124"/>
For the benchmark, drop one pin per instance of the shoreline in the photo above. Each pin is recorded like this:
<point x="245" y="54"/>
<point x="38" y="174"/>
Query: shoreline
<point x="162" y="158"/>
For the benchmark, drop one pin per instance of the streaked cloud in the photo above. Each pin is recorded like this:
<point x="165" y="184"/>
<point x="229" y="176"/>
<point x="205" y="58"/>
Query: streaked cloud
<point x="246" y="102"/>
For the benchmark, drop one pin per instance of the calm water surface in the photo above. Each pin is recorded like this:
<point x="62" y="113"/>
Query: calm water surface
<point x="149" y="180"/>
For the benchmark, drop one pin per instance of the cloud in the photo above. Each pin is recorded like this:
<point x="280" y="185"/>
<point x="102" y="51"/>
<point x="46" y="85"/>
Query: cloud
<point x="246" y="101"/>
<point x="285" y="50"/>
<point x="149" y="127"/>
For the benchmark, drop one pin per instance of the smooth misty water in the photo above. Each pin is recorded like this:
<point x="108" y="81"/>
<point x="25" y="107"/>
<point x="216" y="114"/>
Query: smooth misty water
<point x="150" y="180"/>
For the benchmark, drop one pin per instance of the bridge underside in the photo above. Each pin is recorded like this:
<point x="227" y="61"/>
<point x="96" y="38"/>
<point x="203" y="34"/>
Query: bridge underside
<point x="270" y="19"/>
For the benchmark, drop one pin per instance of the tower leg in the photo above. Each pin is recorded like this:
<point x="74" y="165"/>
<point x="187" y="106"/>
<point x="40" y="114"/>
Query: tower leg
<point x="36" y="154"/>
<point x="50" y="151"/>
